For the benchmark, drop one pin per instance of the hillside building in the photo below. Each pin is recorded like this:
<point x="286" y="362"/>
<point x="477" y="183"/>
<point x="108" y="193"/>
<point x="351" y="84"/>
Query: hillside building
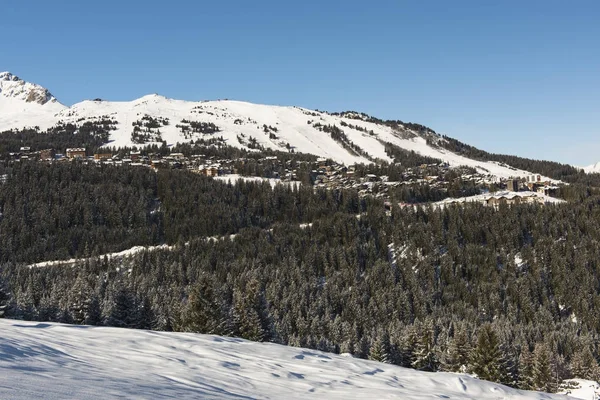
<point x="76" y="152"/>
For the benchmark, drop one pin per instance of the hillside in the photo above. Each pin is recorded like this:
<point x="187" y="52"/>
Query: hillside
<point x="53" y="361"/>
<point x="345" y="137"/>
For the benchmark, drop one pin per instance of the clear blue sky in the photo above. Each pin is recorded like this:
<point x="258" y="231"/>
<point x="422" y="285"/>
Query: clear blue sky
<point x="519" y="77"/>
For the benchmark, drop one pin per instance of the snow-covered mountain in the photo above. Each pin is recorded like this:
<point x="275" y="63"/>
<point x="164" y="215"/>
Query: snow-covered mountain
<point x="240" y="124"/>
<point x="53" y="361"/>
<point x="25" y="104"/>
<point x="594" y="168"/>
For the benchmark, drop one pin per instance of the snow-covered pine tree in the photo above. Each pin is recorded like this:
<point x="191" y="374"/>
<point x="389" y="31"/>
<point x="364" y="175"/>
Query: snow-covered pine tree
<point x="584" y="365"/>
<point x="542" y="378"/>
<point x="525" y="379"/>
<point x="122" y="312"/>
<point x="203" y="312"/>
<point x="4" y="299"/>
<point x="79" y="298"/>
<point x="457" y="356"/>
<point x="380" y="348"/>
<point x="250" y="312"/>
<point x="487" y="358"/>
<point x="425" y="358"/>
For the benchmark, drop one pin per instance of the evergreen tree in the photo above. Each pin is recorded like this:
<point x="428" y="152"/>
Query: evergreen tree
<point x="487" y="360"/>
<point x="93" y="311"/>
<point x="380" y="348"/>
<point x="542" y="378"/>
<point x="526" y="366"/>
<point x="584" y="365"/>
<point x="250" y="313"/>
<point x="4" y="299"/>
<point x="123" y="312"/>
<point x="425" y="358"/>
<point x="457" y="355"/>
<point x="204" y="311"/>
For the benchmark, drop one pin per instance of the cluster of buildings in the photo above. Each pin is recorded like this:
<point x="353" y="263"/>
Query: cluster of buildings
<point x="503" y="198"/>
<point x="323" y="174"/>
<point x="531" y="183"/>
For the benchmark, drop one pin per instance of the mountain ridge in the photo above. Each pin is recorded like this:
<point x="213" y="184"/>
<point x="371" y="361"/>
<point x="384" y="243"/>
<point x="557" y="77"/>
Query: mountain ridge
<point x="348" y="137"/>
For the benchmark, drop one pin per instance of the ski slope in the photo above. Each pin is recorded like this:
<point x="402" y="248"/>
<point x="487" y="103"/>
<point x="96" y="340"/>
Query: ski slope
<point x="238" y="122"/>
<point x="54" y="361"/>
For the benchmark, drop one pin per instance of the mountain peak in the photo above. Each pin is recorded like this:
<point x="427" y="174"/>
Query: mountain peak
<point x="13" y="87"/>
<point x="7" y="76"/>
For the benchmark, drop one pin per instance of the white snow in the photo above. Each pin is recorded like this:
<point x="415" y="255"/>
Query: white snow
<point x="519" y="260"/>
<point x="17" y="111"/>
<point x="234" y="118"/>
<point x="525" y="196"/>
<point x="585" y="390"/>
<point x="118" y="255"/>
<point x="233" y="178"/>
<point x="591" y="169"/>
<point x="54" y="361"/>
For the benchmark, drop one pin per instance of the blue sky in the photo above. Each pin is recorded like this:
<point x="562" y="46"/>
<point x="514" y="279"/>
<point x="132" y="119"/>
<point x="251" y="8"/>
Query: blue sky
<point x="518" y="77"/>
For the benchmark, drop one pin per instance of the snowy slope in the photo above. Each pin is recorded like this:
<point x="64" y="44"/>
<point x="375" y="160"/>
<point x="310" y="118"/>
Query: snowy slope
<point x="24" y="104"/>
<point x="583" y="389"/>
<point x="591" y="169"/>
<point x="293" y="126"/>
<point x="480" y="198"/>
<point x="53" y="361"/>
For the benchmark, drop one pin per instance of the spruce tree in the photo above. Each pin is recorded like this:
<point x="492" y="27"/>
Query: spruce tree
<point x="457" y="355"/>
<point x="203" y="313"/>
<point x="526" y="369"/>
<point x="380" y="348"/>
<point x="123" y="310"/>
<point x="4" y="299"/>
<point x="425" y="358"/>
<point x="250" y="313"/>
<point x="584" y="365"/>
<point x="487" y="360"/>
<point x="542" y="378"/>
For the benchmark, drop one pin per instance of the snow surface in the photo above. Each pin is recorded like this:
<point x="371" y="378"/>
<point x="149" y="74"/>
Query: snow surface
<point x="17" y="111"/>
<point x="54" y="361"/>
<point x="235" y="118"/>
<point x="233" y="178"/>
<point x="586" y="390"/>
<point x="591" y="169"/>
<point x="117" y="255"/>
<point x="507" y="194"/>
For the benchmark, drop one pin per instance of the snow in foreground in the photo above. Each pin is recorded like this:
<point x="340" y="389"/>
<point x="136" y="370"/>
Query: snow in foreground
<point x="54" y="361"/>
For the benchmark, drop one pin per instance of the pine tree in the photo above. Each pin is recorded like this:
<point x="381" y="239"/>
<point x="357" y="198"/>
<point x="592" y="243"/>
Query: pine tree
<point x="404" y="343"/>
<point x="4" y="299"/>
<point x="204" y="313"/>
<point x="584" y="365"/>
<point x="425" y="358"/>
<point x="380" y="348"/>
<point x="93" y="311"/>
<point x="487" y="360"/>
<point x="80" y="295"/>
<point x="457" y="356"/>
<point x="123" y="310"/>
<point x="542" y="378"/>
<point x="250" y="313"/>
<point x="526" y="369"/>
